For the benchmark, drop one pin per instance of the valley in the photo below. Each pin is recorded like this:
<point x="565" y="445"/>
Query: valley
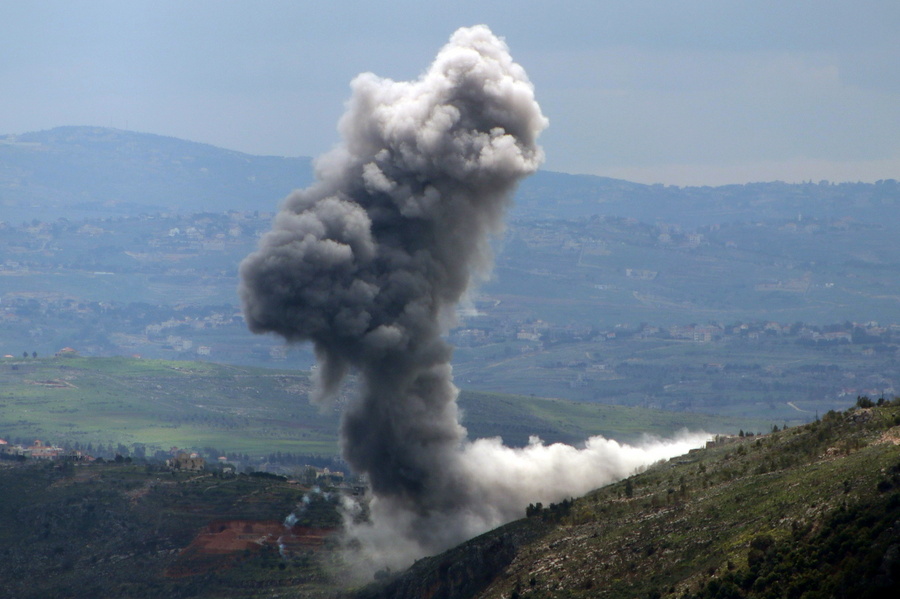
<point x="154" y="447"/>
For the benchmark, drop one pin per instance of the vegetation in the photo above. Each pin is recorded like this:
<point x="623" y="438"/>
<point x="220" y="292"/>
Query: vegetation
<point x="138" y="530"/>
<point x="140" y="407"/>
<point x="809" y="511"/>
<point x="156" y="405"/>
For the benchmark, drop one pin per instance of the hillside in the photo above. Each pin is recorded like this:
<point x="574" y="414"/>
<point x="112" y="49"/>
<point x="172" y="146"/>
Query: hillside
<point x="93" y="171"/>
<point x="736" y="320"/>
<point x="805" y="512"/>
<point x="155" y="405"/>
<point x="127" y="530"/>
<point x="810" y="511"/>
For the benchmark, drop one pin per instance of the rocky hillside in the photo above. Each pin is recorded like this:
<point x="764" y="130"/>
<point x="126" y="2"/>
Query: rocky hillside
<point x="812" y="511"/>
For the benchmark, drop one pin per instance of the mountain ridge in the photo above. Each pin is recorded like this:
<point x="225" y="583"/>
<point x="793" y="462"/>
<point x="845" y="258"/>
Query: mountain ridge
<point x="101" y="171"/>
<point x="77" y="172"/>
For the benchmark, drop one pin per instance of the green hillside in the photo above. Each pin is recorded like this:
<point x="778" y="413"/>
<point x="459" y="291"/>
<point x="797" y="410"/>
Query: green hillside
<point x="162" y="404"/>
<point x="116" y="530"/>
<point x="805" y="512"/>
<point x="256" y="411"/>
<point x="808" y="512"/>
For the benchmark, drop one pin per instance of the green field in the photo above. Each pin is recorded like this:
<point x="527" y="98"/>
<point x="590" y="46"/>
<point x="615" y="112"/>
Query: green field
<point x="258" y="411"/>
<point x="162" y="404"/>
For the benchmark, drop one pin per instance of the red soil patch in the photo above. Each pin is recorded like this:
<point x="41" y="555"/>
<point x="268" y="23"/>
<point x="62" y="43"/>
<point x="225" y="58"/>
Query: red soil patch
<point x="223" y="542"/>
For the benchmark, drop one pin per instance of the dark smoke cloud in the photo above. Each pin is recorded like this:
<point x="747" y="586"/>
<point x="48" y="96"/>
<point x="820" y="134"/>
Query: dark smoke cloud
<point x="370" y="262"/>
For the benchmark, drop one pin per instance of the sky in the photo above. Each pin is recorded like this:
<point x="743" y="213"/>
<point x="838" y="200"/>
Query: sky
<point x="655" y="91"/>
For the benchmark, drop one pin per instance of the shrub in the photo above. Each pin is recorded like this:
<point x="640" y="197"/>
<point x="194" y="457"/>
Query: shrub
<point x="864" y="402"/>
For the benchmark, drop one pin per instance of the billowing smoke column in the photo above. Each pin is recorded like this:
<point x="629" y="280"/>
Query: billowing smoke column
<point x="370" y="262"/>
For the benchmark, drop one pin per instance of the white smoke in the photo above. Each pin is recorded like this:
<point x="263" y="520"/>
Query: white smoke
<point x="506" y="480"/>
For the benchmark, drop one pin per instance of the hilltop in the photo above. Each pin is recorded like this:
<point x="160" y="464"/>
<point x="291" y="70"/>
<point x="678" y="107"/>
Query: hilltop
<point x="811" y="511"/>
<point x="95" y="171"/>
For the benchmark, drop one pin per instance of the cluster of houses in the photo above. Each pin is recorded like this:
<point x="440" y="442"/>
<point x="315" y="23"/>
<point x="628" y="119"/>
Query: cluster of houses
<point x="181" y="460"/>
<point x="191" y="462"/>
<point x="42" y="451"/>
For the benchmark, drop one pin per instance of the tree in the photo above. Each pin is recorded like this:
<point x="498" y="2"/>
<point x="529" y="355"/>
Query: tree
<point x="34" y="354"/>
<point x="24" y="354"/>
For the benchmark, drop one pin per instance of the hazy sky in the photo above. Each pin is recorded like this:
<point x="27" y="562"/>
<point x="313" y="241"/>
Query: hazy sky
<point x="679" y="92"/>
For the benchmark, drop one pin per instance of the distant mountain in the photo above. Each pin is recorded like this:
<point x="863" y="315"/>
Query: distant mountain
<point x="558" y="195"/>
<point x="77" y="172"/>
<point x="95" y="171"/>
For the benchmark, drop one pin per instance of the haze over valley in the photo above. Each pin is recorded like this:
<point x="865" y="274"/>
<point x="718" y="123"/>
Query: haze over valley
<point x="738" y="303"/>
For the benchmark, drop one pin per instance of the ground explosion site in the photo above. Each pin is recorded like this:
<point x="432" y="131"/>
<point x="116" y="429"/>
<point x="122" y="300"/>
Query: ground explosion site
<point x="369" y="264"/>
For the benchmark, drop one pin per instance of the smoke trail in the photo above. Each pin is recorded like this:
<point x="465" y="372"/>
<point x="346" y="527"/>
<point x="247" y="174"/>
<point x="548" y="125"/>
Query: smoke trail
<point x="370" y="261"/>
<point x="504" y="481"/>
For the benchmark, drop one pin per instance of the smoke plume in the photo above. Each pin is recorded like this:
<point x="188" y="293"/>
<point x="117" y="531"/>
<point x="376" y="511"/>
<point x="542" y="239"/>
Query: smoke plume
<point x="369" y="263"/>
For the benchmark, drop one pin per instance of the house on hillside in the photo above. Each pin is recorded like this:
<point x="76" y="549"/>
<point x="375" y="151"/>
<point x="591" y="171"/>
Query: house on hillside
<point x="328" y="476"/>
<point x="191" y="462"/>
<point x="40" y="451"/>
<point x="11" y="451"/>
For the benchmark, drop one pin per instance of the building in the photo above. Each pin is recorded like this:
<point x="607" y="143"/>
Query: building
<point x="191" y="462"/>
<point x="40" y="451"/>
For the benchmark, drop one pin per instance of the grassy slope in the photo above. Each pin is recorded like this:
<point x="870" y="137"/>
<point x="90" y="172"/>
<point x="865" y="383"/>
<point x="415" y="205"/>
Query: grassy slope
<point x="258" y="411"/>
<point x="809" y="509"/>
<point x="163" y="404"/>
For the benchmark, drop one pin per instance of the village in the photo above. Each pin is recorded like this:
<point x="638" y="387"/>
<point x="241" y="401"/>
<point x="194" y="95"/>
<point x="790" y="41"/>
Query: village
<point x="180" y="461"/>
